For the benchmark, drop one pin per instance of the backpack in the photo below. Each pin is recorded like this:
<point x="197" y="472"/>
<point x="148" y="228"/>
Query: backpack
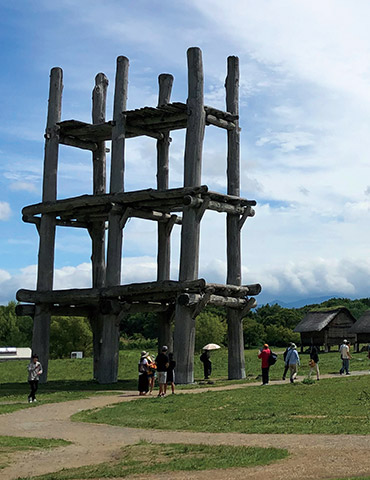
<point x="272" y="358"/>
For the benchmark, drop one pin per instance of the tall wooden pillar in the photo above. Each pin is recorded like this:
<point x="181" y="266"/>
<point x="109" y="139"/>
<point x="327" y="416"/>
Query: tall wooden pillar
<point x="97" y="228"/>
<point x="45" y="272"/>
<point x="108" y="363"/>
<point x="236" y="361"/>
<point x="164" y="229"/>
<point x="184" y="336"/>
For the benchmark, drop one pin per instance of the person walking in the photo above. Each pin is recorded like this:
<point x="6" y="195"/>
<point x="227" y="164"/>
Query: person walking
<point x="34" y="372"/>
<point x="314" y="362"/>
<point x="292" y="361"/>
<point x="171" y="372"/>
<point x="162" y="365"/>
<point x="264" y="355"/>
<point x="143" y="384"/>
<point x="345" y="356"/>
<point x="207" y="364"/>
<point x="286" y="367"/>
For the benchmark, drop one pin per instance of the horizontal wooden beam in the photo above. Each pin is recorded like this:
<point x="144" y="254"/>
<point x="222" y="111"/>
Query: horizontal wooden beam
<point x="192" y="299"/>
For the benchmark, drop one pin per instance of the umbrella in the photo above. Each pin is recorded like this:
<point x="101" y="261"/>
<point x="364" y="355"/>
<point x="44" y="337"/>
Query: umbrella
<point x="211" y="346"/>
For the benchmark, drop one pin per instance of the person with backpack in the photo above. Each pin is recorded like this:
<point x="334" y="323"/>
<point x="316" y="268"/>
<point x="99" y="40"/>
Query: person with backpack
<point x="292" y="361"/>
<point x="314" y="362"/>
<point x="264" y="355"/>
<point x="286" y="367"/>
<point x="171" y="372"/>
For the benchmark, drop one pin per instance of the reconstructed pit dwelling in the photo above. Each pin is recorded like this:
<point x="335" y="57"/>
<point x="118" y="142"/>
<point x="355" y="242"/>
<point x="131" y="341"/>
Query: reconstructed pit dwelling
<point x="104" y="215"/>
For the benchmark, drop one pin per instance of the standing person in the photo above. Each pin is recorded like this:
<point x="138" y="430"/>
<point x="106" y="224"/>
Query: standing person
<point x="286" y="367"/>
<point x="171" y="372"/>
<point x="143" y="385"/>
<point x="314" y="362"/>
<point x="292" y="361"/>
<point x="152" y="368"/>
<point x="264" y="355"/>
<point x="345" y="356"/>
<point x="162" y="365"/>
<point x="207" y="364"/>
<point x="34" y="372"/>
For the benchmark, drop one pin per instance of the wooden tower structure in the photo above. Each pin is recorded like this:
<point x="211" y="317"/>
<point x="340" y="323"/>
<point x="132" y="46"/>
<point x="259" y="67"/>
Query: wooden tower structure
<point x="104" y="214"/>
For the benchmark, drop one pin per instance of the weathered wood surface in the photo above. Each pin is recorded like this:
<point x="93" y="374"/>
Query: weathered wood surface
<point x="164" y="232"/>
<point x="191" y="299"/>
<point x="184" y="335"/>
<point x="236" y="361"/>
<point x="97" y="227"/>
<point x="148" y="195"/>
<point x="45" y="272"/>
<point x="148" y="121"/>
<point x="92" y="295"/>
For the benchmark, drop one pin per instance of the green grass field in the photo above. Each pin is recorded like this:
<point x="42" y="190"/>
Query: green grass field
<point x="71" y="379"/>
<point x="146" y="458"/>
<point x="332" y="406"/>
<point x="9" y="445"/>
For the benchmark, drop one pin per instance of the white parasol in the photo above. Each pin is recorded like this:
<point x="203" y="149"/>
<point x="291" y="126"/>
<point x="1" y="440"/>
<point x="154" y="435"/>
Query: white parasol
<point x="211" y="346"/>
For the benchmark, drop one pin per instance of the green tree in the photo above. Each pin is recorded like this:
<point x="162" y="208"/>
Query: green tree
<point x="280" y="336"/>
<point x="209" y="328"/>
<point x="14" y="331"/>
<point x="254" y="332"/>
<point x="68" y="334"/>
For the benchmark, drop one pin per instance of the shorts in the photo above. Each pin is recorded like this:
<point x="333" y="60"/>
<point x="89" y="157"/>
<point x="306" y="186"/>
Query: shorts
<point x="162" y="377"/>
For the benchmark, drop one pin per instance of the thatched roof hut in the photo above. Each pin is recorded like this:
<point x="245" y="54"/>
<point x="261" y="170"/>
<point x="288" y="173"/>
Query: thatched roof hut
<point x="326" y="327"/>
<point x="362" y="328"/>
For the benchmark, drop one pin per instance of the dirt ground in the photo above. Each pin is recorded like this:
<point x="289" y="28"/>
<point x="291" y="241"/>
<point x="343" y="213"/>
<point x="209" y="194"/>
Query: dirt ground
<point x="311" y="456"/>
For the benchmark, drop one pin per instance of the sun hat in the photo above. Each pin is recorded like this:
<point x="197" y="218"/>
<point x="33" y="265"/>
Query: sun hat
<point x="164" y="348"/>
<point x="266" y="345"/>
<point x="293" y="345"/>
<point x="144" y="353"/>
<point x="345" y="341"/>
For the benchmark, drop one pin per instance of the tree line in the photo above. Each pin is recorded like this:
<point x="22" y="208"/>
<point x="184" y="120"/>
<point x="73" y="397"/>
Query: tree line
<point x="270" y="324"/>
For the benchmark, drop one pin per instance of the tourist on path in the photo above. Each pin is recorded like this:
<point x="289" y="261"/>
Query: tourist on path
<point x="171" y="372"/>
<point x="162" y="365"/>
<point x="207" y="364"/>
<point x="292" y="360"/>
<point x="264" y="355"/>
<point x="345" y="356"/>
<point x="152" y="371"/>
<point x="314" y="362"/>
<point x="34" y="372"/>
<point x="286" y="367"/>
<point x="143" y="385"/>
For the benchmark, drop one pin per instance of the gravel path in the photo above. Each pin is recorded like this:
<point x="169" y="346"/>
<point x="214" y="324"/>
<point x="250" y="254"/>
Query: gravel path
<point x="311" y="456"/>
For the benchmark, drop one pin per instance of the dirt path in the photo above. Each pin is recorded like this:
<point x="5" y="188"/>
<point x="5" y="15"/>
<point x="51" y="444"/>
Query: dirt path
<point x="312" y="456"/>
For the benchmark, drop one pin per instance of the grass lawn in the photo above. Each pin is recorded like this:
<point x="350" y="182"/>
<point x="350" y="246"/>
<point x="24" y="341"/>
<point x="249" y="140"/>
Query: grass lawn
<point x="333" y="406"/>
<point x="71" y="379"/>
<point x="146" y="458"/>
<point x="9" y="445"/>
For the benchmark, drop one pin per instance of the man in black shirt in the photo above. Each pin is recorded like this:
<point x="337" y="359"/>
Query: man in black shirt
<point x="162" y="364"/>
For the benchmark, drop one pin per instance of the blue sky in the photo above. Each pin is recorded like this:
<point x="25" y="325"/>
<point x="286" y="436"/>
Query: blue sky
<point x="305" y="118"/>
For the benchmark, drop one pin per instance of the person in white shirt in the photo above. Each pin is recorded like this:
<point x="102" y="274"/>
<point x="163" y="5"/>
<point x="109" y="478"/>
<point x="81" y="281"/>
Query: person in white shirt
<point x="345" y="356"/>
<point x="34" y="372"/>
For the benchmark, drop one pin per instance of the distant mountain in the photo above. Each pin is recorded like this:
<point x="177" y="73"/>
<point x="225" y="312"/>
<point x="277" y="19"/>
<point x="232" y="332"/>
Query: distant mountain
<point x="301" y="303"/>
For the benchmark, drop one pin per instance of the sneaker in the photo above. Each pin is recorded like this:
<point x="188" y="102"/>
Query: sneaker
<point x="348" y="373"/>
<point x="283" y="378"/>
<point x="29" y="400"/>
<point x="34" y="400"/>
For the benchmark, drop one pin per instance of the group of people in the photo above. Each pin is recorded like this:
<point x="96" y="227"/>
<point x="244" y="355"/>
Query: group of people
<point x="162" y="368"/>
<point x="292" y="361"/>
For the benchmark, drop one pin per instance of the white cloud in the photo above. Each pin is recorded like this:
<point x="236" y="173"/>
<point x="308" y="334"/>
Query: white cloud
<point x="5" y="211"/>
<point x="23" y="186"/>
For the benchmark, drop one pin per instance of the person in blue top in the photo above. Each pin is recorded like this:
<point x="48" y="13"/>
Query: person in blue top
<point x="292" y="361"/>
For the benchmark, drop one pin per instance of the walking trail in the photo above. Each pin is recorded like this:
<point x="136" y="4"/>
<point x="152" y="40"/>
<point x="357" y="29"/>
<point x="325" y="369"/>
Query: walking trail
<point x="311" y="456"/>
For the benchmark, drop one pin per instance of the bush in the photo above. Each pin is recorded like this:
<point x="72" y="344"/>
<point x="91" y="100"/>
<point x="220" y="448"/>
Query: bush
<point x="137" y="342"/>
<point x="281" y="336"/>
<point x="68" y="334"/>
<point x="209" y="328"/>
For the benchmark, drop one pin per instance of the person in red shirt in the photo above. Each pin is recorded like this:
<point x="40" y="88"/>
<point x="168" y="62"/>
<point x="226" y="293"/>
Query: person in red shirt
<point x="264" y="354"/>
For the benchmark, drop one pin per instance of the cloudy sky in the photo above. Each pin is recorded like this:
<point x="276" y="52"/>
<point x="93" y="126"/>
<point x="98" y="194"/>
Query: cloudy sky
<point x="305" y="118"/>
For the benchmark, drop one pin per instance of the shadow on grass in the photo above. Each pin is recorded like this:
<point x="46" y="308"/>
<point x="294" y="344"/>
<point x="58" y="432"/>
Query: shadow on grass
<point x="54" y="386"/>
